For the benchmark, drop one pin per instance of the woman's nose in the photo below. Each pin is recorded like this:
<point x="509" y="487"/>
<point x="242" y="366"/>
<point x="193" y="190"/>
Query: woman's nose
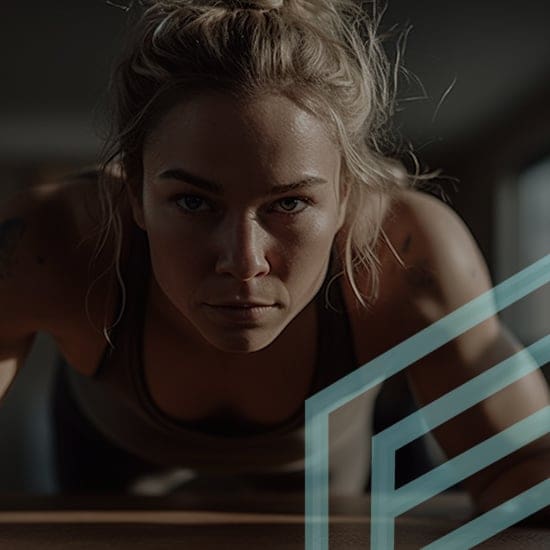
<point x="242" y="249"/>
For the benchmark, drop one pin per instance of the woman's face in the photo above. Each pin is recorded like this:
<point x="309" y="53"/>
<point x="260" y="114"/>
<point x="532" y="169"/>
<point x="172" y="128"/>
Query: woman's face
<point x="223" y="223"/>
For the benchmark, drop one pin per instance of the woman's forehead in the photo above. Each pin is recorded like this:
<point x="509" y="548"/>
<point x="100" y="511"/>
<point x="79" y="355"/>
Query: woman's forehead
<point x="214" y="132"/>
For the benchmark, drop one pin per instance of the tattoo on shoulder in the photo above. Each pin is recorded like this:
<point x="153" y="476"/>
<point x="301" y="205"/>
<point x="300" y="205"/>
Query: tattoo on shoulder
<point x="406" y="244"/>
<point x="11" y="232"/>
<point x="420" y="277"/>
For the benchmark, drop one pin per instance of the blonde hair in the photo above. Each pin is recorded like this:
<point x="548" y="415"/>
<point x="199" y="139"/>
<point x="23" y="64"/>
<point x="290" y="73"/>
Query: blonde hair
<point x="325" y="55"/>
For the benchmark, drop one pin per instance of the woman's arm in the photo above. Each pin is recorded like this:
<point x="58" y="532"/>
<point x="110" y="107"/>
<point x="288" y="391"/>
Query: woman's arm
<point x="30" y="269"/>
<point x="445" y="271"/>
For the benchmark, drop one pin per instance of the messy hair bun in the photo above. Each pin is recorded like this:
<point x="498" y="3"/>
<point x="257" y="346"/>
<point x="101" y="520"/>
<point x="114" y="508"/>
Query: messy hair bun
<point x="255" y="4"/>
<point x="268" y="4"/>
<point x="325" y="55"/>
<point x="228" y="4"/>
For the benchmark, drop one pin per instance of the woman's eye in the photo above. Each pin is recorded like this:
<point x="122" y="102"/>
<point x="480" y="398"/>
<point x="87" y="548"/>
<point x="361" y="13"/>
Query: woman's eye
<point x="288" y="203"/>
<point x="193" y="203"/>
<point x="190" y="203"/>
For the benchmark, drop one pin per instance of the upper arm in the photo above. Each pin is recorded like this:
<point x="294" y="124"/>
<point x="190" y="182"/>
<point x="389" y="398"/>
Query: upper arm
<point x="30" y="253"/>
<point x="445" y="270"/>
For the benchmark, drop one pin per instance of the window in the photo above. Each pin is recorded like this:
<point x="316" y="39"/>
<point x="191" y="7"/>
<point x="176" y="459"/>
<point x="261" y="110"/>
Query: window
<point x="523" y="237"/>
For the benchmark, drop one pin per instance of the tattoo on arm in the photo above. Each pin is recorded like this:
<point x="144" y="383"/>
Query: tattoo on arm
<point x="11" y="232"/>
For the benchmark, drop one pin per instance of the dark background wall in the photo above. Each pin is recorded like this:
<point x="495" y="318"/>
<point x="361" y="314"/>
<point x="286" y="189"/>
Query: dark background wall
<point x="55" y="59"/>
<point x="482" y="116"/>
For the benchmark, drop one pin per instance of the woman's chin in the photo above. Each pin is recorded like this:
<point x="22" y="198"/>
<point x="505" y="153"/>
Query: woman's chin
<point x="240" y="344"/>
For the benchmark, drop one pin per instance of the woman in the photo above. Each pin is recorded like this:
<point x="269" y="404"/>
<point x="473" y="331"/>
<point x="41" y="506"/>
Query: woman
<point x="245" y="243"/>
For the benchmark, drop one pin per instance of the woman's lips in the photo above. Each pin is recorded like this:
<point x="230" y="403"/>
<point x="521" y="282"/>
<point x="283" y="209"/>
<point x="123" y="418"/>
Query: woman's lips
<point x="242" y="303"/>
<point x="241" y="313"/>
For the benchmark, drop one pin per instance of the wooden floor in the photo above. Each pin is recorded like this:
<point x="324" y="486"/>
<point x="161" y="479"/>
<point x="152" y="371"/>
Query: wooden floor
<point x="229" y="521"/>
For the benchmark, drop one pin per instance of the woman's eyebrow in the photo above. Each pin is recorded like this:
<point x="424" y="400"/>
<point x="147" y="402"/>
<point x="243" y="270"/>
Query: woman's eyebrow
<point x="217" y="189"/>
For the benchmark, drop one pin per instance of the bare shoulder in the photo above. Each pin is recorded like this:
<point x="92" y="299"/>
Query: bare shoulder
<point x="30" y="254"/>
<point x="48" y="239"/>
<point x="31" y="266"/>
<point x="444" y="267"/>
<point x="430" y="265"/>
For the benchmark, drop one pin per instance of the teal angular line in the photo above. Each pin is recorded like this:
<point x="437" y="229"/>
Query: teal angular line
<point x="388" y="503"/>
<point x="316" y="480"/>
<point x="496" y="520"/>
<point x="431" y="338"/>
<point x="393" y="361"/>
<point x="382" y="490"/>
<point x="468" y="394"/>
<point x="385" y="443"/>
<point x="471" y="461"/>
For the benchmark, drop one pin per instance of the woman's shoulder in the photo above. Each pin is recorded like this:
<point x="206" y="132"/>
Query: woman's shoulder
<point x="33" y="230"/>
<point x="443" y="266"/>
<point x="407" y="220"/>
<point x="74" y="288"/>
<point x="428" y="261"/>
<point x="419" y="235"/>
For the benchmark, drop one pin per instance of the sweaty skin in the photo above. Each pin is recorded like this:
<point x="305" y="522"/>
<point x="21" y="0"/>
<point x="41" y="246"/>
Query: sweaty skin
<point x="237" y="236"/>
<point x="217" y="231"/>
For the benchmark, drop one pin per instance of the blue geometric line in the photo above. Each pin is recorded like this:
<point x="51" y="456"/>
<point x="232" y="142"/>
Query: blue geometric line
<point x="382" y="489"/>
<point x="431" y="338"/>
<point x="387" y="503"/>
<point x="468" y="394"/>
<point x="496" y="520"/>
<point x="316" y="468"/>
<point x="391" y="502"/>
<point x="470" y="461"/>
<point x="375" y="372"/>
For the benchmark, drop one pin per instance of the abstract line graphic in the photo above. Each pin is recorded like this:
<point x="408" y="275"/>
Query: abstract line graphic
<point x="388" y="502"/>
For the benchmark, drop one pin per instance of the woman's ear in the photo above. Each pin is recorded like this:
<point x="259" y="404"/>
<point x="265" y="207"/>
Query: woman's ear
<point x="135" y="196"/>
